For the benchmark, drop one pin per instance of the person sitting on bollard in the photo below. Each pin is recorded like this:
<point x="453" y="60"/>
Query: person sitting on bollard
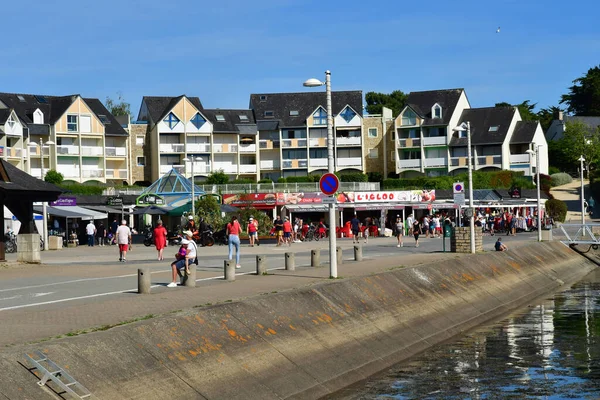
<point x="499" y="246"/>
<point x="184" y="257"/>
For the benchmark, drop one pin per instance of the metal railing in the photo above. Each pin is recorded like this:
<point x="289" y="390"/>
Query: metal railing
<point x="574" y="234"/>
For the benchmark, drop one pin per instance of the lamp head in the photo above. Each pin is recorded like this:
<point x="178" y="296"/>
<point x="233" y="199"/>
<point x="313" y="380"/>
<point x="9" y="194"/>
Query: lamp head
<point x="198" y="158"/>
<point x="49" y="143"/>
<point x="186" y="159"/>
<point x="581" y="159"/>
<point x="313" y="82"/>
<point x="532" y="152"/>
<point x="460" y="128"/>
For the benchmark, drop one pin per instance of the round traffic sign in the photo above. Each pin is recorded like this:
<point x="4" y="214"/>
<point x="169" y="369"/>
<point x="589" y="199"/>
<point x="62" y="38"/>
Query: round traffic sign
<point x="458" y="187"/>
<point x="329" y="184"/>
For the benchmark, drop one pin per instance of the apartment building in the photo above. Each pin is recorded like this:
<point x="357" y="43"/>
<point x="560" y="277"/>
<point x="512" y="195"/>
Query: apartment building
<point x="292" y="132"/>
<point x="380" y="149"/>
<point x="183" y="135"/>
<point x="75" y="136"/>
<point x="426" y="143"/>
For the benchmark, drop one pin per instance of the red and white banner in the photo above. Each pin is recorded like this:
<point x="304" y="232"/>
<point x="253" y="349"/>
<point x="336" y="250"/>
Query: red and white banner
<point x="408" y="196"/>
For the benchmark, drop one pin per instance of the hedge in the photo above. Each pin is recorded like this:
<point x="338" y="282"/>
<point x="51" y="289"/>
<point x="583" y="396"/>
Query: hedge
<point x="557" y="209"/>
<point x="481" y="180"/>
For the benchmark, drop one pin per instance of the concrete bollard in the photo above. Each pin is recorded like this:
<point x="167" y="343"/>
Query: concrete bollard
<point x="144" y="280"/>
<point x="230" y="270"/>
<point x="315" y="258"/>
<point x="261" y="265"/>
<point x="290" y="261"/>
<point x="189" y="280"/>
<point x="338" y="254"/>
<point x="357" y="253"/>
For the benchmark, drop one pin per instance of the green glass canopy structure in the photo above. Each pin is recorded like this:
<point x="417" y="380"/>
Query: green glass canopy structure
<point x="170" y="191"/>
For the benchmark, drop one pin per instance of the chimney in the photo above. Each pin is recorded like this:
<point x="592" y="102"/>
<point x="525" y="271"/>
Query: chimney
<point x="560" y="115"/>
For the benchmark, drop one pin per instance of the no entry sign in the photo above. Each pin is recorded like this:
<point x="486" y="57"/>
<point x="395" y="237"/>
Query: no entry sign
<point x="329" y="184"/>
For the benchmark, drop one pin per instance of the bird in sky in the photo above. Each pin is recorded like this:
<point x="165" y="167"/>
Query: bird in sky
<point x="498" y="30"/>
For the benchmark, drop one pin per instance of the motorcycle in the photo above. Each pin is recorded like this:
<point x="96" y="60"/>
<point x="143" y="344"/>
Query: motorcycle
<point x="148" y="238"/>
<point x="221" y="237"/>
<point x="204" y="238"/>
<point x="174" y="239"/>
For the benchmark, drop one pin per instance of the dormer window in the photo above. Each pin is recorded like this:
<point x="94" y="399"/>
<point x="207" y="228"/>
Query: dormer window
<point x="104" y="119"/>
<point x="171" y="120"/>
<point x="294" y="113"/>
<point x="198" y="121"/>
<point x="11" y="122"/>
<point x="38" y="117"/>
<point x="348" y="114"/>
<point x="243" y="118"/>
<point x="462" y="134"/>
<point x="220" y="117"/>
<point x="436" y="111"/>
<point x="269" y="114"/>
<point x="320" y="117"/>
<point x="493" y="128"/>
<point x="21" y="98"/>
<point x="409" y="118"/>
<point x="263" y="97"/>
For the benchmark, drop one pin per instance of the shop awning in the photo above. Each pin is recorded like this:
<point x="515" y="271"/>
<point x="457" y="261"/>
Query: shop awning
<point x="71" y="212"/>
<point x="108" y="209"/>
<point x="307" y="207"/>
<point x="378" y="206"/>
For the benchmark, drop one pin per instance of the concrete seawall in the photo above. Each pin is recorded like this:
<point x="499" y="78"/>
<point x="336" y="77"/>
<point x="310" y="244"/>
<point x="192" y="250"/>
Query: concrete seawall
<point x="302" y="343"/>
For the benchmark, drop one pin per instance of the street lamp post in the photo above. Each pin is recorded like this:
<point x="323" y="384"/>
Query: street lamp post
<point x="466" y="127"/>
<point x="539" y="201"/>
<point x="193" y="184"/>
<point x="44" y="204"/>
<point x="330" y="168"/>
<point x="582" y="160"/>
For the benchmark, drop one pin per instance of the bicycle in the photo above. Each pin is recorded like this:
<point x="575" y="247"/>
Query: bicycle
<point x="10" y="240"/>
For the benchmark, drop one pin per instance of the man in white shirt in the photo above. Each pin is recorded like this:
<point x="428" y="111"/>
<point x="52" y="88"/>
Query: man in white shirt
<point x="410" y="221"/>
<point x="123" y="240"/>
<point x="90" y="229"/>
<point x="181" y="267"/>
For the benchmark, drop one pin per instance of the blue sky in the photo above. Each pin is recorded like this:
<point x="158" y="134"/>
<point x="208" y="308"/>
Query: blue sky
<point x="224" y="51"/>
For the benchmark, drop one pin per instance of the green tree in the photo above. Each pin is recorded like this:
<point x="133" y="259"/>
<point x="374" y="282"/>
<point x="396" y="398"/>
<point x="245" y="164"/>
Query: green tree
<point x="547" y="115"/>
<point x="584" y="96"/>
<point x="217" y="178"/>
<point x="525" y="109"/>
<point x="54" y="177"/>
<point x="578" y="141"/>
<point x="119" y="106"/>
<point x="558" y="157"/>
<point x="394" y="101"/>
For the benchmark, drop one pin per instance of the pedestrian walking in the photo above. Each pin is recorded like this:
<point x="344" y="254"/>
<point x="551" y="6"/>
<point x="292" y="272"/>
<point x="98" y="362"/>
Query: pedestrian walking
<point x="416" y="230"/>
<point x="278" y="224"/>
<point x="160" y="238"/>
<point x="113" y="229"/>
<point x="366" y="229"/>
<point x="426" y="226"/>
<point x="233" y="232"/>
<point x="399" y="227"/>
<point x="255" y="222"/>
<point x="101" y="234"/>
<point x="287" y="231"/>
<point x="410" y="221"/>
<point x="90" y="229"/>
<point x="251" y="231"/>
<point x="355" y="226"/>
<point x="123" y="239"/>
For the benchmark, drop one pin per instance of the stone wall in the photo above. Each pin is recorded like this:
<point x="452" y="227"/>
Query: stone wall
<point x="136" y="133"/>
<point x="376" y="164"/>
<point x="460" y="242"/>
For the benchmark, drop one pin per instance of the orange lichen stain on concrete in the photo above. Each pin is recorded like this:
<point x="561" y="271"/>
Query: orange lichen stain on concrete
<point x="301" y="315"/>
<point x="232" y="333"/>
<point x="495" y="270"/>
<point x="199" y="319"/>
<point x="180" y="356"/>
<point x="292" y="327"/>
<point x="235" y="336"/>
<point x="467" y="277"/>
<point x="193" y="353"/>
<point x="271" y="331"/>
<point x="315" y="322"/>
<point x="159" y="345"/>
<point x="515" y="265"/>
<point x="260" y="326"/>
<point x="347" y="307"/>
<point x="208" y="346"/>
<point x="325" y="318"/>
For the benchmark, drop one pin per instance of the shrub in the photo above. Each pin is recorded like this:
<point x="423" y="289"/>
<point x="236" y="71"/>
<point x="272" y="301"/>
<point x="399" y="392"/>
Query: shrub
<point x="78" y="188"/>
<point x="242" y="181"/>
<point x="54" y="177"/>
<point x="375" y="177"/>
<point x="352" y="177"/>
<point x="561" y="178"/>
<point x="557" y="209"/>
<point x="553" y="170"/>
<point x="217" y="178"/>
<point x="266" y="180"/>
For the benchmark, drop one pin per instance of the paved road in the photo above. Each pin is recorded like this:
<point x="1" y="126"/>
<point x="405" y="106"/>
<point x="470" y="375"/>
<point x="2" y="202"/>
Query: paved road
<point x="81" y="273"/>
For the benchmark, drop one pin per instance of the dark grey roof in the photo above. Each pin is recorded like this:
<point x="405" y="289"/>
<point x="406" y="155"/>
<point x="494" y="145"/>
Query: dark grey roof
<point x="159" y="106"/>
<point x="267" y="125"/>
<point x="489" y="194"/>
<point x="232" y="122"/>
<point x="17" y="181"/>
<point x="247" y="129"/>
<point x="481" y="119"/>
<point x="422" y="102"/>
<point x="38" y="129"/>
<point x="4" y="114"/>
<point x="25" y="108"/>
<point x="305" y="103"/>
<point x="112" y="127"/>
<point x="58" y="108"/>
<point x="524" y="132"/>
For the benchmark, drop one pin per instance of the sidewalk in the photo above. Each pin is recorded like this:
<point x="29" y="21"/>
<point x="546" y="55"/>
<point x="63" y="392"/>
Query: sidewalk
<point x="571" y="195"/>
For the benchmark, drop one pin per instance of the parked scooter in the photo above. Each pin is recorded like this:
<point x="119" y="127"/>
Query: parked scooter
<point x="221" y="237"/>
<point x="204" y="238"/>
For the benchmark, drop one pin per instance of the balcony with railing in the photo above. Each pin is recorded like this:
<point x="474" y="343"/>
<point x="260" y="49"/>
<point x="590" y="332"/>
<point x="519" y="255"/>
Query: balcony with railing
<point x="409" y="164"/>
<point x="164" y="169"/>
<point x="293" y="143"/>
<point x="349" y="161"/>
<point x="34" y="150"/>
<point x="227" y="168"/>
<point x="437" y="162"/>
<point x="317" y="162"/>
<point x="200" y="168"/>
<point x="198" y="147"/>
<point x="269" y="164"/>
<point x="68" y="171"/>
<point x="458" y="161"/>
<point x="93" y="151"/>
<point x="92" y="173"/>
<point x="171" y="148"/>
<point x="317" y="142"/>
<point x="409" y="142"/>
<point x="116" y="173"/>
<point x="493" y="160"/>
<point x="267" y="144"/>
<point x="298" y="163"/>
<point x="225" y="148"/>
<point x="521" y="159"/>
<point x="348" y="141"/>
<point x="247" y="147"/>
<point x="115" y="151"/>
<point x="66" y="150"/>
<point x="14" y="152"/>
<point x="247" y="168"/>
<point x="434" y="141"/>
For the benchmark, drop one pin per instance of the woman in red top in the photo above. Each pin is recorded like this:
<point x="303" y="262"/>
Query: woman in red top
<point x="233" y="230"/>
<point x="160" y="238"/>
<point x="251" y="231"/>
